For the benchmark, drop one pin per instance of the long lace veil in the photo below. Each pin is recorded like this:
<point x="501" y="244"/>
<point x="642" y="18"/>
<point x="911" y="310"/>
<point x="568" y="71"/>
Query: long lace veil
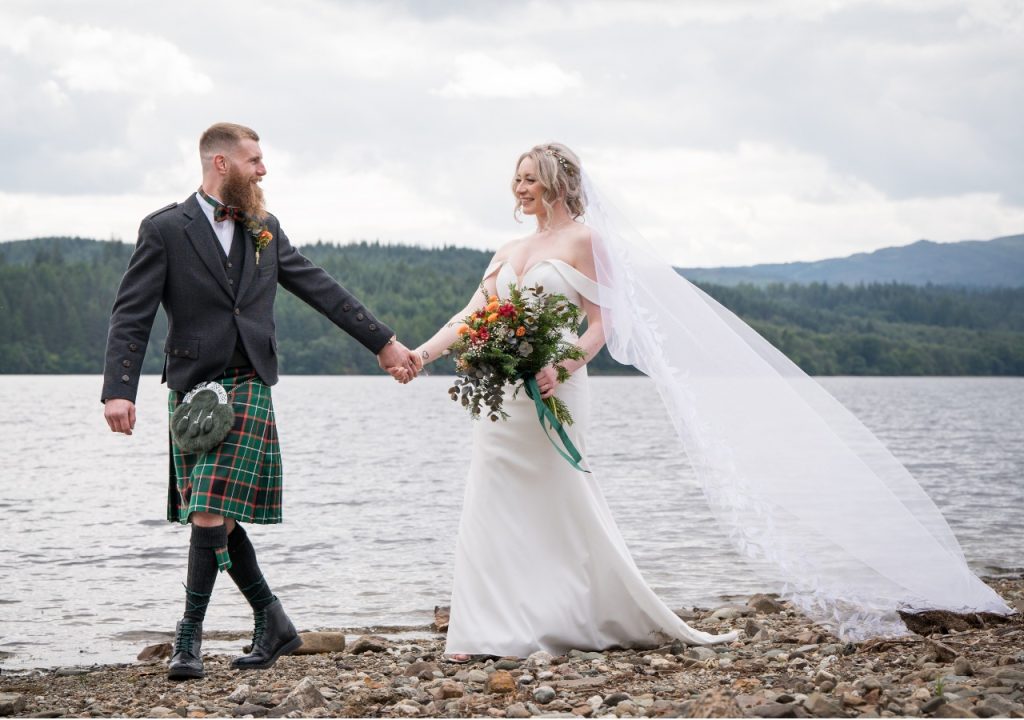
<point x="794" y="478"/>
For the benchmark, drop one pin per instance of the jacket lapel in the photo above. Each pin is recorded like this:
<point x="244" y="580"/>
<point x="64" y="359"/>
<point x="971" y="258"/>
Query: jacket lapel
<point x="249" y="265"/>
<point x="201" y="235"/>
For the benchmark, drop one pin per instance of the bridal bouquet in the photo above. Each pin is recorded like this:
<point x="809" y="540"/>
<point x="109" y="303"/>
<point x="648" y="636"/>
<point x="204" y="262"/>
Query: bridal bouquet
<point x="509" y="343"/>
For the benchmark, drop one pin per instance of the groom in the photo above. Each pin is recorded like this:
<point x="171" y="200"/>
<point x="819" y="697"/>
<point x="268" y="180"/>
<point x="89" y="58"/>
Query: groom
<point x="214" y="262"/>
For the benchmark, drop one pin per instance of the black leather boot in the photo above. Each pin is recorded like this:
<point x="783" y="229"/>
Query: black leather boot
<point x="273" y="637"/>
<point x="187" y="661"/>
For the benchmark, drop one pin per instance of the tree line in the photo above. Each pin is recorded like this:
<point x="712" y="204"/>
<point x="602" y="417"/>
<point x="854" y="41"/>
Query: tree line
<point x="56" y="295"/>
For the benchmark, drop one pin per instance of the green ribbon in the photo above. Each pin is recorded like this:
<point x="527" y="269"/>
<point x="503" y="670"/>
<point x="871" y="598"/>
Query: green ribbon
<point x="570" y="453"/>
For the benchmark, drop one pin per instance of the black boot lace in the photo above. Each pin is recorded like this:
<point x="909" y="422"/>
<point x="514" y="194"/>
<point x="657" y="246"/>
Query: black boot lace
<point x="186" y="632"/>
<point x="261" y="624"/>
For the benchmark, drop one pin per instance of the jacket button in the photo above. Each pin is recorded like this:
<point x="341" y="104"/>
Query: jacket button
<point x="126" y="363"/>
<point x="188" y="353"/>
<point x="238" y="311"/>
<point x="373" y="326"/>
<point x="176" y="351"/>
<point x="133" y="347"/>
<point x="125" y="378"/>
<point x="360" y="316"/>
<point x="346" y="307"/>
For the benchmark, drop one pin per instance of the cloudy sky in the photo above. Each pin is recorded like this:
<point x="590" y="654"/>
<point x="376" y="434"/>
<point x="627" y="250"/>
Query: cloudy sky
<point x="730" y="131"/>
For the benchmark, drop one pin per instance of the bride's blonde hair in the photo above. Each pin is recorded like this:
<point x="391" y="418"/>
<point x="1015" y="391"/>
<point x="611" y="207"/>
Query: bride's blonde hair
<point x="558" y="169"/>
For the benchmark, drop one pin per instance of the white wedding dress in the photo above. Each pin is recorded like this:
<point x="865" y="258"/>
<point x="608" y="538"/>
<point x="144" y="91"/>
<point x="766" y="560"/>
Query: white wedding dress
<point x="539" y="562"/>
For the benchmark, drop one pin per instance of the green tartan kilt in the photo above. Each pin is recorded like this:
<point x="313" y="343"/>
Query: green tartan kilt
<point x="241" y="478"/>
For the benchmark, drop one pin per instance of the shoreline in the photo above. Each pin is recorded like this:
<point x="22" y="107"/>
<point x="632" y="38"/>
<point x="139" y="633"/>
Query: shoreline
<point x="783" y="666"/>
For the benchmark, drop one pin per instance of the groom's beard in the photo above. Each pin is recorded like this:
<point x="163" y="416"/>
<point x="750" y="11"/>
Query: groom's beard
<point x="239" y="191"/>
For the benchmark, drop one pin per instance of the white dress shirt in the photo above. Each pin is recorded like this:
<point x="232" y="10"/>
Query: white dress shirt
<point x="224" y="230"/>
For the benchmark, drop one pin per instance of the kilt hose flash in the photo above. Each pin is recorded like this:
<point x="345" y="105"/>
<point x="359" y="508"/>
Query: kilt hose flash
<point x="241" y="478"/>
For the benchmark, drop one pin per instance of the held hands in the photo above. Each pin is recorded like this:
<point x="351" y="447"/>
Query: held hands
<point x="120" y="415"/>
<point x="400" y="362"/>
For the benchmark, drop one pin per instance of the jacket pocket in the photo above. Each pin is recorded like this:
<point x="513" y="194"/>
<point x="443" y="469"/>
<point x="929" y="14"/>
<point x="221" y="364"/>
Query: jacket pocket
<point x="186" y="348"/>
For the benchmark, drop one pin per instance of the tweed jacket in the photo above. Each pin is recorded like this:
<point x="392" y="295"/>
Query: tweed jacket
<point x="176" y="263"/>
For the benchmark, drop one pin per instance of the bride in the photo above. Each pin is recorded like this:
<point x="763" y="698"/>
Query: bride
<point x="539" y="561"/>
<point x="794" y="478"/>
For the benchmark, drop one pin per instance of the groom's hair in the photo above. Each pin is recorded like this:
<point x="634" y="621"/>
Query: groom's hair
<point x="220" y="138"/>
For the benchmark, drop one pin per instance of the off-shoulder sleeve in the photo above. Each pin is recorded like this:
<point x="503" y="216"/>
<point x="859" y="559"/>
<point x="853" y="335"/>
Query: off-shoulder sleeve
<point x="580" y="282"/>
<point x="493" y="268"/>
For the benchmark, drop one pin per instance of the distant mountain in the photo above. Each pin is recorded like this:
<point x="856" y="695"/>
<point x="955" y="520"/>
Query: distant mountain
<point x="971" y="263"/>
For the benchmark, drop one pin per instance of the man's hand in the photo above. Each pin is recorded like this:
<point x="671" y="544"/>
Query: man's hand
<point x="120" y="415"/>
<point x="400" y="362"/>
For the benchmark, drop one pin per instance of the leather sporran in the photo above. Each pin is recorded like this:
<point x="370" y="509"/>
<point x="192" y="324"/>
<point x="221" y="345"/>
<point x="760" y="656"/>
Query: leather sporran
<point x="203" y="419"/>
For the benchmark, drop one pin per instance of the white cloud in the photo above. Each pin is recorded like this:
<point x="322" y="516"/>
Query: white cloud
<point x="759" y="203"/>
<point x="735" y="131"/>
<point x="479" y="75"/>
<point x="86" y="58"/>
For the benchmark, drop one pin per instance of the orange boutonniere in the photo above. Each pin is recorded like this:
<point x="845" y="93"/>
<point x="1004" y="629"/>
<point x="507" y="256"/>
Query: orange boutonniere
<point x="261" y="236"/>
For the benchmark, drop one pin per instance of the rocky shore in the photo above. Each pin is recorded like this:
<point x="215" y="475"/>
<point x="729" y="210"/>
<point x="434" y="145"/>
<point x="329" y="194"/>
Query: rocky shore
<point x="783" y="666"/>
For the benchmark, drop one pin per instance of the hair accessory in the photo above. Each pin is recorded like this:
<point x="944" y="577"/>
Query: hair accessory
<point x="566" y="165"/>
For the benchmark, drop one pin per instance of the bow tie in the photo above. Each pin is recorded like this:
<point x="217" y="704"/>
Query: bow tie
<point x="221" y="211"/>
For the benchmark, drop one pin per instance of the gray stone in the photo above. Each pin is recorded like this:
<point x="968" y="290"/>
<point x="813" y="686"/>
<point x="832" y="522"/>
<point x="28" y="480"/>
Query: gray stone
<point x="954" y="710"/>
<point x="730" y="612"/>
<point x="580" y="655"/>
<point x="305" y="696"/>
<point x="933" y="704"/>
<point x="369" y="643"/>
<point x="700" y="653"/>
<point x="765" y="604"/>
<point x="507" y="664"/>
<point x="818" y="704"/>
<point x="449" y="689"/>
<point x="539" y="659"/>
<point x="159" y="711"/>
<point x="543" y="695"/>
<point x="160" y="651"/>
<point x="775" y="710"/>
<point x="423" y="670"/>
<point x="525" y="679"/>
<point x="624" y="708"/>
<point x="315" y="643"/>
<point x="615" y="698"/>
<point x="11" y="703"/>
<point x="517" y="710"/>
<point x="240" y="694"/>
<point x="476" y="675"/>
<point x="249" y="709"/>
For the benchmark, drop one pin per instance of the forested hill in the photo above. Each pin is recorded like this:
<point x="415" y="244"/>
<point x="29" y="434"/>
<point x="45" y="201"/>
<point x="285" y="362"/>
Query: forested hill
<point x="972" y="263"/>
<point x="56" y="294"/>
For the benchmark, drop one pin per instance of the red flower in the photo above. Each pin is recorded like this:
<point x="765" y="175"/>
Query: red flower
<point x="482" y="335"/>
<point x="507" y="310"/>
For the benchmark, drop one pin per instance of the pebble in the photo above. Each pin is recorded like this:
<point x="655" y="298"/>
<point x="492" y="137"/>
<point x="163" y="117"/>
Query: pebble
<point x="369" y="643"/>
<point x="500" y="681"/>
<point x="795" y="670"/>
<point x="544" y="694"/>
<point x="315" y="643"/>
<point x="517" y="710"/>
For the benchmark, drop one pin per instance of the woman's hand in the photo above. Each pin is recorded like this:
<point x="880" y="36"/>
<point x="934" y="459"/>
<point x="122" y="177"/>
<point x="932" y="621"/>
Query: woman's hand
<point x="547" y="381"/>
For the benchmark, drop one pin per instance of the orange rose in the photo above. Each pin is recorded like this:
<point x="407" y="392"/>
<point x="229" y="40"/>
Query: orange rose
<point x="463" y="329"/>
<point x="520" y="331"/>
<point x="493" y="317"/>
<point x="492" y="306"/>
<point x="492" y="299"/>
